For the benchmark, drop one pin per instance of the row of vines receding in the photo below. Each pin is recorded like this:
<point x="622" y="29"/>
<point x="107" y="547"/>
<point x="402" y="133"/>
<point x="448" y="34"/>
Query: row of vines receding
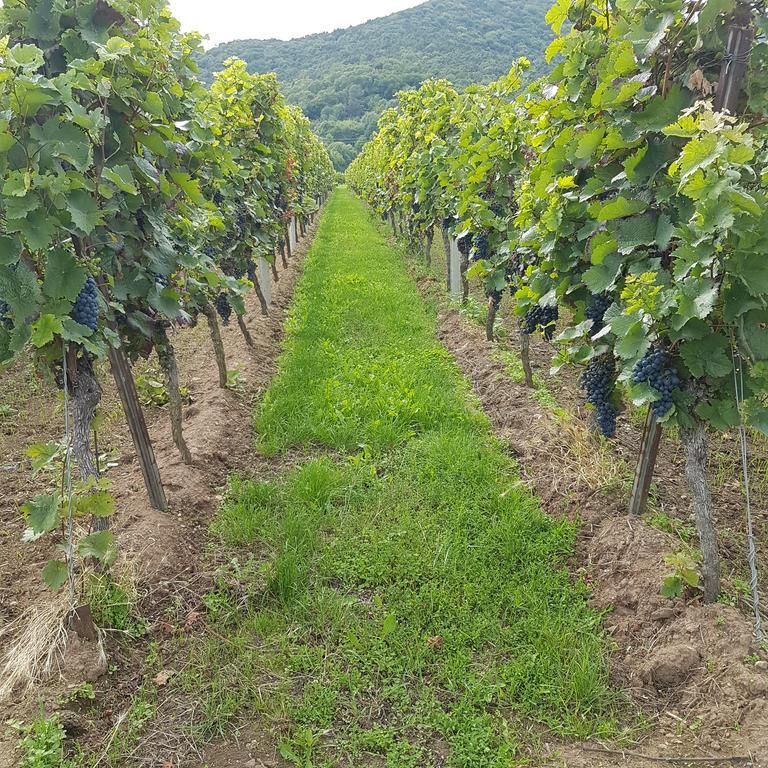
<point x="134" y="199"/>
<point x="621" y="200"/>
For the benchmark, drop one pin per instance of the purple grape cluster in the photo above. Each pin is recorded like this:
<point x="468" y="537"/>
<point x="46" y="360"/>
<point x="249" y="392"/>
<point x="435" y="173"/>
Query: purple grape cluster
<point x="599" y="382"/>
<point x="656" y="370"/>
<point x="595" y="311"/>
<point x="86" y="309"/>
<point x="223" y="307"/>
<point x="161" y="280"/>
<point x="482" y="247"/>
<point x="5" y="316"/>
<point x="541" y="319"/>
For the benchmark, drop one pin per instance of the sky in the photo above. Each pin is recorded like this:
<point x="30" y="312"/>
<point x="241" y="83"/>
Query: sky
<point x="224" y="20"/>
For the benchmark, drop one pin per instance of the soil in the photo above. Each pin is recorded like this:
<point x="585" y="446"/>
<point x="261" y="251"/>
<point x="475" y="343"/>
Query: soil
<point x="163" y="551"/>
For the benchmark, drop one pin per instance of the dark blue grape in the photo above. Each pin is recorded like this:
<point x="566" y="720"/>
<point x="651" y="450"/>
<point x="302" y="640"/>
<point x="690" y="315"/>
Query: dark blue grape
<point x="599" y="382"/>
<point x="542" y="319"/>
<point x="482" y="248"/>
<point x="656" y="370"/>
<point x="223" y="307"/>
<point x="595" y="311"/>
<point x="5" y="316"/>
<point x="161" y="280"/>
<point x="86" y="308"/>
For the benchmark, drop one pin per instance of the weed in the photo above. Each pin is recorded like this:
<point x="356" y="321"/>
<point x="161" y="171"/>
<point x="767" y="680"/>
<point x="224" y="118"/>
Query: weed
<point x="42" y="743"/>
<point x="113" y="603"/>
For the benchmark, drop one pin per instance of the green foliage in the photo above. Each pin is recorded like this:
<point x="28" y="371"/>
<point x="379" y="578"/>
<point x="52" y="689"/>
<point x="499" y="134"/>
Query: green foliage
<point x="344" y="80"/>
<point x="685" y="574"/>
<point x="113" y="603"/>
<point x="42" y="743"/>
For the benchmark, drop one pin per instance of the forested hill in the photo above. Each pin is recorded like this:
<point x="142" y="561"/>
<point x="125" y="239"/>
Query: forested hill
<point x="344" y="79"/>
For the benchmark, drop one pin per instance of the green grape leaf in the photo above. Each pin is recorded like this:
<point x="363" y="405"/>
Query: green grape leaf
<point x="44" y="329"/>
<point x="620" y="207"/>
<point x="709" y="356"/>
<point x="10" y="250"/>
<point x="636" y="231"/>
<point x="96" y="503"/>
<point x="55" y="574"/>
<point x="84" y="210"/>
<point x="600" y="277"/>
<point x="721" y="414"/>
<point x="100" y="545"/>
<point x="74" y="332"/>
<point x="633" y="343"/>
<point x="42" y="513"/>
<point x="18" y="287"/>
<point x="64" y="277"/>
<point x="122" y="178"/>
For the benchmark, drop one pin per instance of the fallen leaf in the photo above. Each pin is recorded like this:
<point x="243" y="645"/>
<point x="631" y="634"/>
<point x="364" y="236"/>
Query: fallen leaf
<point x="161" y="678"/>
<point x="436" y="642"/>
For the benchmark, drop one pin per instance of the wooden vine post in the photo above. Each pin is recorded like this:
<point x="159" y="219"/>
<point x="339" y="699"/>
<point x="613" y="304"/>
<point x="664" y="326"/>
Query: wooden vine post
<point x="649" y="451"/>
<point x="126" y="387"/>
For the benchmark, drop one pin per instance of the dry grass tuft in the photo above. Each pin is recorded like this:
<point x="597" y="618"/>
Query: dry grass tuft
<point x="37" y="642"/>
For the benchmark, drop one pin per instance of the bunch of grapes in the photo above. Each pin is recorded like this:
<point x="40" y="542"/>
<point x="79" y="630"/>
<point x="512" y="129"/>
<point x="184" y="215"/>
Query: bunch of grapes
<point x="86" y="309"/>
<point x="464" y="244"/>
<point x="599" y="382"/>
<point x="541" y="318"/>
<point x="482" y="248"/>
<point x="657" y="371"/>
<point x="161" y="280"/>
<point x="596" y="309"/>
<point x="223" y="307"/>
<point x="5" y="316"/>
<point x="251" y="269"/>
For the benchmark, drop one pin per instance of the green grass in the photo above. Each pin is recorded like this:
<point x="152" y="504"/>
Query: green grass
<point x="404" y="596"/>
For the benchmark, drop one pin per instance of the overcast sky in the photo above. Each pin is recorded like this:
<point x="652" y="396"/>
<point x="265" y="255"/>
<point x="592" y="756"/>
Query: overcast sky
<point x="224" y="20"/>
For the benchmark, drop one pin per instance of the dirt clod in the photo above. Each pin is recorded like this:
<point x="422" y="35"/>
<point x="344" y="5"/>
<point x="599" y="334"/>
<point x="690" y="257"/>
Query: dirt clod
<point x="671" y="666"/>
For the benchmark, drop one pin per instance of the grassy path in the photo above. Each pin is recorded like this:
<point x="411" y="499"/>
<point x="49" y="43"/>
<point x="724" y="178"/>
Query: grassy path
<point x="407" y="602"/>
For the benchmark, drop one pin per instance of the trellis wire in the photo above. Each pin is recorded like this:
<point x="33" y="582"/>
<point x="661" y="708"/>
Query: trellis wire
<point x="68" y="465"/>
<point x="738" y="383"/>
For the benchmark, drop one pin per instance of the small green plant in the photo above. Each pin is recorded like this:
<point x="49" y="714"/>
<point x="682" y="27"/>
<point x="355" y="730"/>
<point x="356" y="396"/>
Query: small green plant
<point x="42" y="743"/>
<point x="151" y="389"/>
<point x="113" y="603"/>
<point x="685" y="575"/>
<point x="684" y="531"/>
<point x="83" y="693"/>
<point x="235" y="380"/>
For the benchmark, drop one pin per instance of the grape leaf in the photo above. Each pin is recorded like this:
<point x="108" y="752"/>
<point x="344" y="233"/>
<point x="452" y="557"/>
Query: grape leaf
<point x="44" y="329"/>
<point x="55" y="574"/>
<point x="84" y="210"/>
<point x="709" y="356"/>
<point x="42" y="513"/>
<point x="100" y="545"/>
<point x="620" y="207"/>
<point x="10" y="250"/>
<point x="64" y="277"/>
